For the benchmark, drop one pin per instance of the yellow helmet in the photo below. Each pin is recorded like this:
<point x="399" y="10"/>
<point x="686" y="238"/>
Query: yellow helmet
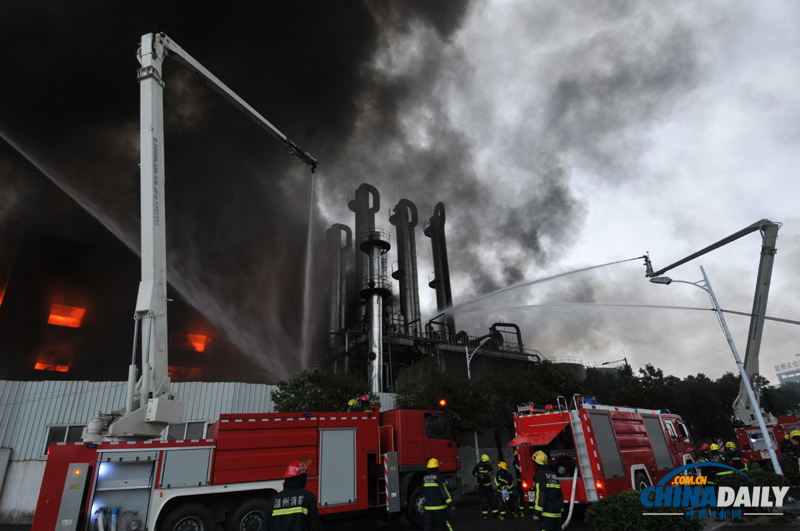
<point x="433" y="463"/>
<point x="731" y="444"/>
<point x="714" y="446"/>
<point x="785" y="435"/>
<point x="540" y="458"/>
<point x="502" y="465"/>
<point x="352" y="402"/>
<point x="484" y="458"/>
<point x="794" y="433"/>
<point x="516" y="452"/>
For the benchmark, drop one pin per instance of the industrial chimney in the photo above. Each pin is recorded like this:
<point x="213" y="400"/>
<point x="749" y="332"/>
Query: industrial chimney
<point x="337" y="258"/>
<point x="404" y="217"/>
<point x="371" y="269"/>
<point x="434" y="229"/>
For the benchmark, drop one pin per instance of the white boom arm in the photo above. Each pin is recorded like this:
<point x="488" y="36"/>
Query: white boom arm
<point x="150" y="405"/>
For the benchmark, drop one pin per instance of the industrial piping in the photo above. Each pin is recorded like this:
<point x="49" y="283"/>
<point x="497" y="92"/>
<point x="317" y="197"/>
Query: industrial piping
<point x="404" y="217"/>
<point x="434" y="229"/>
<point x="337" y="256"/>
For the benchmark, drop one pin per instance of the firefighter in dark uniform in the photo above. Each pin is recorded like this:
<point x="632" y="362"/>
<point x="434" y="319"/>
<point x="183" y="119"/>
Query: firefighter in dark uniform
<point x="705" y="457"/>
<point x="504" y="483"/>
<point x="294" y="508"/>
<point x="735" y="457"/>
<point x="786" y="445"/>
<point x="795" y="437"/>
<point x="521" y="495"/>
<point x="549" y="499"/>
<point x="437" y="498"/>
<point x="484" y="471"/>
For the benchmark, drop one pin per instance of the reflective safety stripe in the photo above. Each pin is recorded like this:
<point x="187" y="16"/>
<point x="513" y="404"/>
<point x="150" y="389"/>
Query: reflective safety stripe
<point x="553" y="486"/>
<point x="291" y="510"/>
<point x="430" y="484"/>
<point x="552" y="515"/>
<point x="538" y="507"/>
<point x="724" y="473"/>
<point x="435" y="507"/>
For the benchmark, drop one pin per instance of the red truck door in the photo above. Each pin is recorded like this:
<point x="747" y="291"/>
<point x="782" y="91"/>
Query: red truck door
<point x="438" y="442"/>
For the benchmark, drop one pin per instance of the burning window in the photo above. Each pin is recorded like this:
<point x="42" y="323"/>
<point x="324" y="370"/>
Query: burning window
<point x="191" y="342"/>
<point x="48" y="367"/>
<point x="184" y="374"/>
<point x="66" y="316"/>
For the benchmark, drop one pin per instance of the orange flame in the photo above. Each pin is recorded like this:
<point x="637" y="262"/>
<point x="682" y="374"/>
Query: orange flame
<point x="48" y="367"/>
<point x="197" y="341"/>
<point x="66" y="316"/>
<point x="2" y="293"/>
<point x="184" y="373"/>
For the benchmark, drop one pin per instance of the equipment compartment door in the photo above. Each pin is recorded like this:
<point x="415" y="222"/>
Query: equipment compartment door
<point x="337" y="467"/>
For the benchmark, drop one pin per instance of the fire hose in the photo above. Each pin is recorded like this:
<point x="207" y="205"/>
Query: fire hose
<point x="571" y="499"/>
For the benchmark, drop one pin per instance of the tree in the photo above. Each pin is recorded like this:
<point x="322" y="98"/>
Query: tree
<point x="319" y="390"/>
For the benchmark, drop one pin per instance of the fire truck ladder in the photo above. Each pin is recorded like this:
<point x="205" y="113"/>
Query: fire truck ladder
<point x="581" y="449"/>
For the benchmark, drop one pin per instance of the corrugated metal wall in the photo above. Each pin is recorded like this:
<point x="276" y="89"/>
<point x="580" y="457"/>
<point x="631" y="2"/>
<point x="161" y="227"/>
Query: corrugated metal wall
<point x="27" y="408"/>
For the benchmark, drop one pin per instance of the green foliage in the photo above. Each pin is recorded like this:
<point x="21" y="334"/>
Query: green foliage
<point x="781" y="399"/>
<point x="790" y="469"/>
<point x="703" y="403"/>
<point x="425" y="384"/>
<point x="623" y="512"/>
<point x="487" y="401"/>
<point x="319" y="390"/>
<point x="760" y="478"/>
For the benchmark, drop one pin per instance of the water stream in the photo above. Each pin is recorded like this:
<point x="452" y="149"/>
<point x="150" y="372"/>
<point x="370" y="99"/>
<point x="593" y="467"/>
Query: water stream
<point x="460" y="308"/>
<point x="307" y="288"/>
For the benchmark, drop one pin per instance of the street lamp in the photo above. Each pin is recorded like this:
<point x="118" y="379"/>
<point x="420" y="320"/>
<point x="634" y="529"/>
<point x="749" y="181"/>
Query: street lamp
<point x="469" y="377"/>
<point x="745" y="378"/>
<point x="616" y="361"/>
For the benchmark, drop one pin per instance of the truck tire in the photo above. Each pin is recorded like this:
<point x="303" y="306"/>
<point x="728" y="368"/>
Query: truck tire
<point x="247" y="516"/>
<point x="641" y="481"/>
<point x="415" y="513"/>
<point x="189" y="517"/>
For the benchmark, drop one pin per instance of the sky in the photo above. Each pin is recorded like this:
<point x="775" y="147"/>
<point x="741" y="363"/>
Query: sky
<point x="560" y="136"/>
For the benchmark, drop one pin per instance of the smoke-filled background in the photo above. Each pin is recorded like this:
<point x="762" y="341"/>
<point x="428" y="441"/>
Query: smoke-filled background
<point x="559" y="136"/>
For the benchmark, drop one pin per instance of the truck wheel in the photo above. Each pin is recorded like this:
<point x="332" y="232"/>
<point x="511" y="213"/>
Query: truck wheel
<point x="247" y="516"/>
<point x="415" y="513"/>
<point x="189" y="517"/>
<point x="640" y="480"/>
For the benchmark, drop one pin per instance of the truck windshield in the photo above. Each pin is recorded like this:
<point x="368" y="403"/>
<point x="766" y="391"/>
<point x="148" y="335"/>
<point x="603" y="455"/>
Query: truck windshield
<point x="437" y="426"/>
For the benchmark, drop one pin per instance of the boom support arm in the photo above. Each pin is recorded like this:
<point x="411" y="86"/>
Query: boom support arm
<point x="742" y="407"/>
<point x="150" y="405"/>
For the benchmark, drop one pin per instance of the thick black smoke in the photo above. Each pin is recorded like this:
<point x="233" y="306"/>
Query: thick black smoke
<point x="237" y="204"/>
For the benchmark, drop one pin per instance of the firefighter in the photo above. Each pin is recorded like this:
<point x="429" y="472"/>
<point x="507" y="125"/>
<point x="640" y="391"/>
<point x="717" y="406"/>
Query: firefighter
<point x="716" y="455"/>
<point x="705" y="457"/>
<point x="351" y="405"/>
<point x="504" y="483"/>
<point x="437" y="498"/>
<point x="484" y="471"/>
<point x="549" y="499"/>
<point x="786" y="445"/>
<point x="294" y="508"/>
<point x="521" y="495"/>
<point x="363" y="404"/>
<point x="736" y="457"/>
<point x="795" y="437"/>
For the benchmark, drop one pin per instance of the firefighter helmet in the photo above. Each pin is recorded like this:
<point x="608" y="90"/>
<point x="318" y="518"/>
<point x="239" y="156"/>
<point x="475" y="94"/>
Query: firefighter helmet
<point x="785" y="435"/>
<point x="295" y="468"/>
<point x="539" y="458"/>
<point x="364" y="398"/>
<point x="731" y="444"/>
<point x="502" y="465"/>
<point x="704" y="446"/>
<point x="352" y="402"/>
<point x="714" y="447"/>
<point x="516" y="452"/>
<point x="795" y="433"/>
<point x="433" y="463"/>
<point x="484" y="458"/>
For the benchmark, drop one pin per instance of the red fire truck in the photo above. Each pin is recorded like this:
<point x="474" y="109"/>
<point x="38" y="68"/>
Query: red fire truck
<point x="359" y="461"/>
<point x="751" y="441"/>
<point x="613" y="448"/>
